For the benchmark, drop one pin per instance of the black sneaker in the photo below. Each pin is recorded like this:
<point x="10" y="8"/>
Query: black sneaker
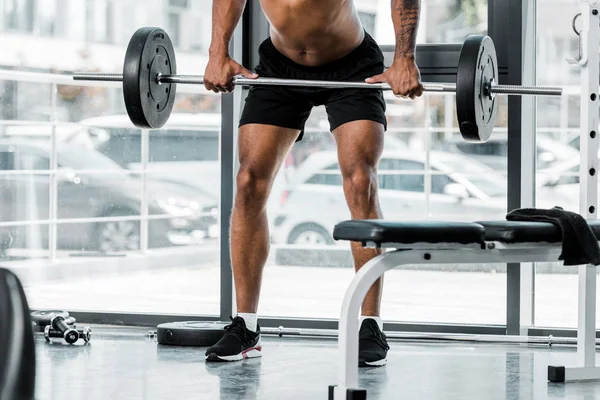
<point x="372" y="345"/>
<point x="237" y="344"/>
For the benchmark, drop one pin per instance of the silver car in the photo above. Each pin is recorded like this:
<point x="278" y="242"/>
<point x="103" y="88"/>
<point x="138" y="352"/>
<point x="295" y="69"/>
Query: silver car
<point x="459" y="189"/>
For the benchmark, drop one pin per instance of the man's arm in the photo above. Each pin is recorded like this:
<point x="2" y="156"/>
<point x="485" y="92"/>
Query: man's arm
<point x="221" y="68"/>
<point x="403" y="75"/>
<point x="405" y="15"/>
<point x="226" y="15"/>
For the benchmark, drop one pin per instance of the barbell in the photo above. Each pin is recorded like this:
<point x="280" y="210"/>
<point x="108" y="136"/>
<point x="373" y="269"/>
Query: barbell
<point x="150" y="75"/>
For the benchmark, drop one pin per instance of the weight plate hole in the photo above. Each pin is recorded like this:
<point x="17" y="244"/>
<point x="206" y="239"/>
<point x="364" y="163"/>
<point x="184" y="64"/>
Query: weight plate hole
<point x="158" y="106"/>
<point x="166" y="62"/>
<point x="157" y="50"/>
<point x="148" y="94"/>
<point x="148" y="65"/>
<point x="167" y="90"/>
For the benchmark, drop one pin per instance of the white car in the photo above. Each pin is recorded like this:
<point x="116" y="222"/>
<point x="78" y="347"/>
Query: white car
<point x="559" y="185"/>
<point x="494" y="152"/>
<point x="461" y="190"/>
<point x="184" y="151"/>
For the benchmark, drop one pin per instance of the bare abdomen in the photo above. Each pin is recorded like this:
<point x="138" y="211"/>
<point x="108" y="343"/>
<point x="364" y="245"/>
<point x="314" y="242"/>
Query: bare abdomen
<point x="313" y="32"/>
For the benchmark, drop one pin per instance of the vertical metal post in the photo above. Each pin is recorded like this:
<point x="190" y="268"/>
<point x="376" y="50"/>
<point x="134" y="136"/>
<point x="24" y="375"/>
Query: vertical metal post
<point x="528" y="158"/>
<point x="518" y="60"/>
<point x="427" y="172"/>
<point x="53" y="183"/>
<point x="226" y="204"/>
<point x="590" y="84"/>
<point x="449" y="101"/>
<point x="513" y="61"/>
<point x="145" y="156"/>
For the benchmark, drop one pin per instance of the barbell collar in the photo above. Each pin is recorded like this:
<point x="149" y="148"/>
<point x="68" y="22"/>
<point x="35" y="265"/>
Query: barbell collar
<point x="526" y="90"/>
<point x="96" y="76"/>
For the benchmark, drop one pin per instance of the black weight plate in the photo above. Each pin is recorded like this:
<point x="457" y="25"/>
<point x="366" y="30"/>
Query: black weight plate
<point x="190" y="333"/>
<point x="150" y="52"/>
<point x="44" y="317"/>
<point x="475" y="108"/>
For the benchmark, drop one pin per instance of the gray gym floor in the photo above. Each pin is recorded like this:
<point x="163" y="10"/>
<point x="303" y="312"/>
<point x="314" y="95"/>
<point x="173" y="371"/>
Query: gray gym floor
<point x="121" y="363"/>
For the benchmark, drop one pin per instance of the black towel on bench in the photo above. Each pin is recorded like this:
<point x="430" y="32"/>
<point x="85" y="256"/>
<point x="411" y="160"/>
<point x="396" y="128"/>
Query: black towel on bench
<point x="579" y="245"/>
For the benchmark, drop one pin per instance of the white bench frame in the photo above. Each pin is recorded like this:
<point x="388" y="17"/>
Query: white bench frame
<point x="492" y="252"/>
<point x="495" y="252"/>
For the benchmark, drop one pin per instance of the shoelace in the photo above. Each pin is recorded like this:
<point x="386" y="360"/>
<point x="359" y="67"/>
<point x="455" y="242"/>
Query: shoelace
<point x="237" y="327"/>
<point x="373" y="333"/>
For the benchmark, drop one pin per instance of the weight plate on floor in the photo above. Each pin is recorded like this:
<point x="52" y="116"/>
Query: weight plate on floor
<point x="190" y="333"/>
<point x="476" y="109"/>
<point x="150" y="52"/>
<point x="44" y="317"/>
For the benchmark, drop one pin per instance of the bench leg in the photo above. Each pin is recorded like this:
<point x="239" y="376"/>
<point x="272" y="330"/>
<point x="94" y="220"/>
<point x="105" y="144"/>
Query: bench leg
<point x="586" y="368"/>
<point x="347" y="387"/>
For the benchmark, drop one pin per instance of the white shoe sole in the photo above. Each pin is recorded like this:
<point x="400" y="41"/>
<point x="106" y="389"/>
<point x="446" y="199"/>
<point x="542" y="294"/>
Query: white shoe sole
<point x="378" y="363"/>
<point x="253" y="352"/>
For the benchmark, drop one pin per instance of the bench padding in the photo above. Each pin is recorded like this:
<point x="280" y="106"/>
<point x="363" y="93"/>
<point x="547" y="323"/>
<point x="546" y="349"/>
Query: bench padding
<point x="382" y="231"/>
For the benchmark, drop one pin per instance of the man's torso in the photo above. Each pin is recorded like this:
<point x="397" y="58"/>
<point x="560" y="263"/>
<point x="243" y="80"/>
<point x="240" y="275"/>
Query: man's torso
<point x="313" y="32"/>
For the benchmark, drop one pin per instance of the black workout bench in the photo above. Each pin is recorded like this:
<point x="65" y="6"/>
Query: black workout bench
<point x="431" y="242"/>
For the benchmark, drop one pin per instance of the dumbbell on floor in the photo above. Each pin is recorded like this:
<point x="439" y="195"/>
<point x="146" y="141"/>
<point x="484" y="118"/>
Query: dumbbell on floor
<point x="85" y="334"/>
<point x="59" y="328"/>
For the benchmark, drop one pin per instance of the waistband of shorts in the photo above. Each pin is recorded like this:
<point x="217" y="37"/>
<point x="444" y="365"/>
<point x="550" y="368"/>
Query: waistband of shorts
<point x="268" y="48"/>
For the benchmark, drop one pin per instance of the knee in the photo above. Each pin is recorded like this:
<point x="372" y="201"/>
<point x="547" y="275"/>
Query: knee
<point x="360" y="184"/>
<point x="252" y="189"/>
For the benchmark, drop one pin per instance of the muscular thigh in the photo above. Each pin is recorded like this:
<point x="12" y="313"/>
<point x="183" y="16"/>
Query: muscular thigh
<point x="360" y="144"/>
<point x="262" y="148"/>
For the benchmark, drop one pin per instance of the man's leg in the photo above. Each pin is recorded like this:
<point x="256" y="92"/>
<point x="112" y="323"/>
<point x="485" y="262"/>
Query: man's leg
<point x="262" y="149"/>
<point x="360" y="144"/>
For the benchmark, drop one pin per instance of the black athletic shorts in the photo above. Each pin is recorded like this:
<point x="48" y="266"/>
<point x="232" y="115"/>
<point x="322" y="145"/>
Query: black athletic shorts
<point x="290" y="107"/>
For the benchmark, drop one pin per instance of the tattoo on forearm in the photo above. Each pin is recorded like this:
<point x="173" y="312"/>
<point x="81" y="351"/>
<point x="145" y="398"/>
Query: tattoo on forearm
<point x="406" y="33"/>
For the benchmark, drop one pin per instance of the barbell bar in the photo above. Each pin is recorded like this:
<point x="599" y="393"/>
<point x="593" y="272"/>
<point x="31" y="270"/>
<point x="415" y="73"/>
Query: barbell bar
<point x="149" y="78"/>
<point x="242" y="81"/>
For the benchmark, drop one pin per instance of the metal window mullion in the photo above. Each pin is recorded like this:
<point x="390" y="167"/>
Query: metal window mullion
<point x="145" y="151"/>
<point x="427" y="172"/>
<point x="528" y="157"/>
<point x="229" y="110"/>
<point x="53" y="181"/>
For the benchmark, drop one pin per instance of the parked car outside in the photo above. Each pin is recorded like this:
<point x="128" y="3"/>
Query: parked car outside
<point x="462" y="189"/>
<point x="494" y="152"/>
<point x="559" y="185"/>
<point x="25" y="197"/>
<point x="187" y="149"/>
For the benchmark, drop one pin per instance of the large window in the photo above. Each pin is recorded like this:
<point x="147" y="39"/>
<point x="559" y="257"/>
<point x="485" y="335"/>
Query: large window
<point x="424" y="173"/>
<point x="92" y="208"/>
<point x="442" y="21"/>
<point x="558" y="122"/>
